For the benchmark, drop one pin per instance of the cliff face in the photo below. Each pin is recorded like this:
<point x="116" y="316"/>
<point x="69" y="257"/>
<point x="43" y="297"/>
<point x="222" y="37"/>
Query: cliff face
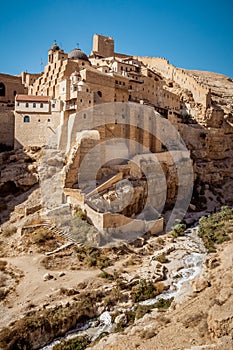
<point x="206" y="127"/>
<point x="212" y="146"/>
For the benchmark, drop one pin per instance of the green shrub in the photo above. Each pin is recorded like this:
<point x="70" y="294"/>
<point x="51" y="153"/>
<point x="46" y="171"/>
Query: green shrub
<point x="143" y="290"/>
<point x="92" y="256"/>
<point x="78" y="343"/>
<point x="162" y="258"/>
<point x="178" y="230"/>
<point x="163" y="304"/>
<point x="215" y="228"/>
<point x="80" y="213"/>
<point x="42" y="235"/>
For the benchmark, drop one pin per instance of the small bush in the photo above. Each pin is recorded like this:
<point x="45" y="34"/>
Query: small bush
<point x="79" y="343"/>
<point x="80" y="214"/>
<point x="9" y="231"/>
<point x="41" y="236"/>
<point x="106" y="275"/>
<point x="215" y="228"/>
<point x="178" y="230"/>
<point x="143" y="290"/>
<point x="163" y="304"/>
<point x="162" y="258"/>
<point x="91" y="257"/>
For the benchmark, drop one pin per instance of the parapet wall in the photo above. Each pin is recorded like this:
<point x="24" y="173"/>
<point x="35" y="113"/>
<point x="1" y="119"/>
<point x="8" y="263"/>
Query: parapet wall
<point x="201" y="94"/>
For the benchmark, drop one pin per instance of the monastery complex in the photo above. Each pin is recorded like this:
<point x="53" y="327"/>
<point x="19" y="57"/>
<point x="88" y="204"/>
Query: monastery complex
<point x="73" y="81"/>
<point x="34" y="106"/>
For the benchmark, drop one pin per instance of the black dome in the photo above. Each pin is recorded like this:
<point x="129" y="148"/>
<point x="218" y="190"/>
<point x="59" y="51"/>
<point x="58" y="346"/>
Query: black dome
<point x="55" y="47"/>
<point x="77" y="54"/>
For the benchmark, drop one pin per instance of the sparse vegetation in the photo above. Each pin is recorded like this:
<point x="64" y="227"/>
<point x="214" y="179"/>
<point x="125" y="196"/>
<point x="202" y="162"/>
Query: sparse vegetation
<point x="178" y="230"/>
<point x="115" y="296"/>
<point x="162" y="258"/>
<point x="215" y="228"/>
<point x="78" y="343"/>
<point x="54" y="322"/>
<point x="163" y="304"/>
<point x="9" y="231"/>
<point x="41" y="235"/>
<point x="92" y="257"/>
<point x="80" y="213"/>
<point x="146" y="290"/>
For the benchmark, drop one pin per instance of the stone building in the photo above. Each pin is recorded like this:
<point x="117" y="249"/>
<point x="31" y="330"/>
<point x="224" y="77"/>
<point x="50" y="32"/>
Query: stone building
<point x="73" y="81"/>
<point x="9" y="86"/>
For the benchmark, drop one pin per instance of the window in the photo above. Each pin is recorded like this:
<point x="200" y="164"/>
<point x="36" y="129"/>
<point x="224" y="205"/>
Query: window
<point x="99" y="93"/>
<point x="26" y="105"/>
<point x="17" y="103"/>
<point x="53" y="105"/>
<point x="87" y="90"/>
<point x="26" y="119"/>
<point x="34" y="104"/>
<point x="41" y="105"/>
<point x="81" y="100"/>
<point x="89" y="102"/>
<point x="38" y="120"/>
<point x="83" y="64"/>
<point x="15" y="93"/>
<point x="2" y="89"/>
<point x="48" y="120"/>
<point x="84" y="115"/>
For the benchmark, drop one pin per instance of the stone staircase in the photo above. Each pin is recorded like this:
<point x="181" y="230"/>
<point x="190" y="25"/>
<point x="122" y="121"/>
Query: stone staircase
<point x="56" y="230"/>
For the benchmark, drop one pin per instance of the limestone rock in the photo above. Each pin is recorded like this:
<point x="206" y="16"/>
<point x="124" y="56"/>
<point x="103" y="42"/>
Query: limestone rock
<point x="121" y="319"/>
<point x="47" y="276"/>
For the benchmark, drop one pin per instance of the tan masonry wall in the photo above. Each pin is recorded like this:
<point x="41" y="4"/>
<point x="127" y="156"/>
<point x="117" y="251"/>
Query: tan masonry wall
<point x="200" y="93"/>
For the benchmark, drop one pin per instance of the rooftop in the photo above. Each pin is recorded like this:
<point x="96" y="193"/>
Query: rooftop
<point x="32" y="98"/>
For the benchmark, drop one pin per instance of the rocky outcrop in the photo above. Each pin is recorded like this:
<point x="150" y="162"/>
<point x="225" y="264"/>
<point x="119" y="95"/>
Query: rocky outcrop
<point x="18" y="175"/>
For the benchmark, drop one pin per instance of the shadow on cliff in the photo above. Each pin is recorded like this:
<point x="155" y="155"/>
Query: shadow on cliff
<point x="18" y="180"/>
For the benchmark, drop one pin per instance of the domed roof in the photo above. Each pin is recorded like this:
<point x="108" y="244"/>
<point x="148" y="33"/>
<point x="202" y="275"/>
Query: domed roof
<point x="55" y="47"/>
<point x="77" y="54"/>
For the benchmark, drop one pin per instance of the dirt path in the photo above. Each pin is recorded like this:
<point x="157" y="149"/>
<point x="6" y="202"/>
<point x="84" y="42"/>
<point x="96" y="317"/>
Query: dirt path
<point x="32" y="289"/>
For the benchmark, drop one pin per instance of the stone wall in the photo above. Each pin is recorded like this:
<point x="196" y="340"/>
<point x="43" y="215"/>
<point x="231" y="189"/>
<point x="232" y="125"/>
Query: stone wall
<point x="201" y="94"/>
<point x="7" y="121"/>
<point x="37" y="131"/>
<point x="10" y="86"/>
<point x="13" y="85"/>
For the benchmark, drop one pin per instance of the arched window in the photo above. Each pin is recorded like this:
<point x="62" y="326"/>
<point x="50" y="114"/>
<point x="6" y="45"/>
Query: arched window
<point x="99" y="93"/>
<point x="2" y="89"/>
<point x="26" y="119"/>
<point x="34" y="105"/>
<point x="26" y="104"/>
<point x="15" y="93"/>
<point x="41" y="105"/>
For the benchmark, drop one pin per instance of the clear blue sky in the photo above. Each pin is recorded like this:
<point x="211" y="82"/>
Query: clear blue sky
<point x="194" y="34"/>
